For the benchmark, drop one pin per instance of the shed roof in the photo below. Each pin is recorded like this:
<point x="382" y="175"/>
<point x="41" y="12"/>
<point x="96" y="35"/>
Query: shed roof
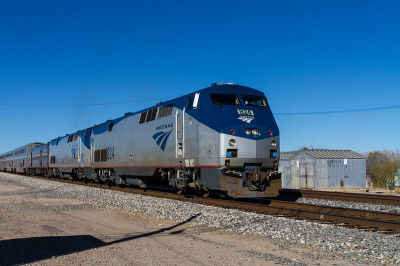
<point x="286" y="155"/>
<point x="334" y="154"/>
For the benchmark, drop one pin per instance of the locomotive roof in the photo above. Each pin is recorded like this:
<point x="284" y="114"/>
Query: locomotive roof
<point x="222" y="88"/>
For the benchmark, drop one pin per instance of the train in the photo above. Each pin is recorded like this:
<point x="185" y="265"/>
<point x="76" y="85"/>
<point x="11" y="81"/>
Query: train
<point x="222" y="139"/>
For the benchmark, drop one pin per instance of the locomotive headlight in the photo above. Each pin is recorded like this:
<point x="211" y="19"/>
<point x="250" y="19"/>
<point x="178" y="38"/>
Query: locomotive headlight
<point x="273" y="144"/>
<point x="255" y="131"/>
<point x="232" y="142"/>
<point x="248" y="131"/>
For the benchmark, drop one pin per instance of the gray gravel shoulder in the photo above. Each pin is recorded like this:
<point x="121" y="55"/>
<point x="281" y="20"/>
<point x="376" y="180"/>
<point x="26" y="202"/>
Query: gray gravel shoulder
<point x="359" y="246"/>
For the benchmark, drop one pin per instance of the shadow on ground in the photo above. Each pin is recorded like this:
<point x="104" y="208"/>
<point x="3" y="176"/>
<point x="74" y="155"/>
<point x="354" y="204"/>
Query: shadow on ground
<point x="27" y="250"/>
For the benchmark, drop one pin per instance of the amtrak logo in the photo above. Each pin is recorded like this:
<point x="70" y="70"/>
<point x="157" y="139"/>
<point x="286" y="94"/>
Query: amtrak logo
<point x="246" y="115"/>
<point x="246" y="118"/>
<point x="161" y="138"/>
<point x="245" y="112"/>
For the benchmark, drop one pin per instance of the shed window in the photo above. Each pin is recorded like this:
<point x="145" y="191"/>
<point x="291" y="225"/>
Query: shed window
<point x="224" y="99"/>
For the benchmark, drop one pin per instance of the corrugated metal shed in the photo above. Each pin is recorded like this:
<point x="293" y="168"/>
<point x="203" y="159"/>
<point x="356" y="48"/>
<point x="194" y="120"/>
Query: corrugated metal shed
<point x="323" y="169"/>
<point x="334" y="154"/>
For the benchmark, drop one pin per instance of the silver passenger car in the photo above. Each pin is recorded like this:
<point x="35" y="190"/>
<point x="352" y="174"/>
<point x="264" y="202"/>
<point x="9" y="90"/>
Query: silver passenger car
<point x="16" y="161"/>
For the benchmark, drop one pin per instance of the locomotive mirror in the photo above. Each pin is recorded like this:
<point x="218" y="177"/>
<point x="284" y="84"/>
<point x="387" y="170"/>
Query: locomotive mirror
<point x="196" y="100"/>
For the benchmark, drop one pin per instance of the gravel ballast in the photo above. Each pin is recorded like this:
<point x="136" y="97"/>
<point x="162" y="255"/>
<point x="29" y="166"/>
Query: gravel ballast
<point x="351" y="205"/>
<point x="357" y="245"/>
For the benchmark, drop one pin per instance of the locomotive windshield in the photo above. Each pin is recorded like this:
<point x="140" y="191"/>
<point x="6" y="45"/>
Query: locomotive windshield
<point x="224" y="99"/>
<point x="254" y="100"/>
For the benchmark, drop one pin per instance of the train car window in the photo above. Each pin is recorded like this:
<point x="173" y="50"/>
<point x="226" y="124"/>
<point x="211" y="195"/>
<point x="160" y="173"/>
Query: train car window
<point x="148" y="116"/>
<point x="58" y="140"/>
<point x="168" y="110"/>
<point x="110" y="127"/>
<point x="75" y="137"/>
<point x="190" y="103"/>
<point x="161" y="112"/>
<point x="151" y="115"/>
<point x="224" y="99"/>
<point x="254" y="100"/>
<point x="142" y="117"/>
<point x="19" y="151"/>
<point x="165" y="111"/>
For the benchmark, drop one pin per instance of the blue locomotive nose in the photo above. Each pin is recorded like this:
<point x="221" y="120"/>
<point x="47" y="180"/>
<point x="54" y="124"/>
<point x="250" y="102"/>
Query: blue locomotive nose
<point x="258" y="126"/>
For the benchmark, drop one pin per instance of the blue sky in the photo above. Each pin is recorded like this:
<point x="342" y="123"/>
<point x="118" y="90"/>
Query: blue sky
<point x="305" y="55"/>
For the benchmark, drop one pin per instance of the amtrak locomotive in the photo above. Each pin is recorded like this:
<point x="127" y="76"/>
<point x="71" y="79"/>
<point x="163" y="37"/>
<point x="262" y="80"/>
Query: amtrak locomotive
<point x="221" y="139"/>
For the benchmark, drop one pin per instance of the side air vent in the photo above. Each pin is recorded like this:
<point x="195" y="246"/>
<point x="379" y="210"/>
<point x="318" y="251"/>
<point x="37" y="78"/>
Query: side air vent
<point x="97" y="155"/>
<point x="103" y="155"/>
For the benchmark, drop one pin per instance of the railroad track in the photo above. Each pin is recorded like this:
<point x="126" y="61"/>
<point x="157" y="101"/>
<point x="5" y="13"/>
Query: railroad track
<point x="346" y="196"/>
<point x="366" y="220"/>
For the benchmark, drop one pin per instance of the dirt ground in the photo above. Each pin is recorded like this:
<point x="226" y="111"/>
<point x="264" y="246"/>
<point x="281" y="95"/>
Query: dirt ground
<point x="54" y="231"/>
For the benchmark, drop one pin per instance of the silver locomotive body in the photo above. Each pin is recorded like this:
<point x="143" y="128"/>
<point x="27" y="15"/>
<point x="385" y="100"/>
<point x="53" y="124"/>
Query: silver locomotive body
<point x="222" y="139"/>
<point x="188" y="142"/>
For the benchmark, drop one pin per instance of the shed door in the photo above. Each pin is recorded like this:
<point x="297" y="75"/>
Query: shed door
<point x="307" y="175"/>
<point x="303" y="175"/>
